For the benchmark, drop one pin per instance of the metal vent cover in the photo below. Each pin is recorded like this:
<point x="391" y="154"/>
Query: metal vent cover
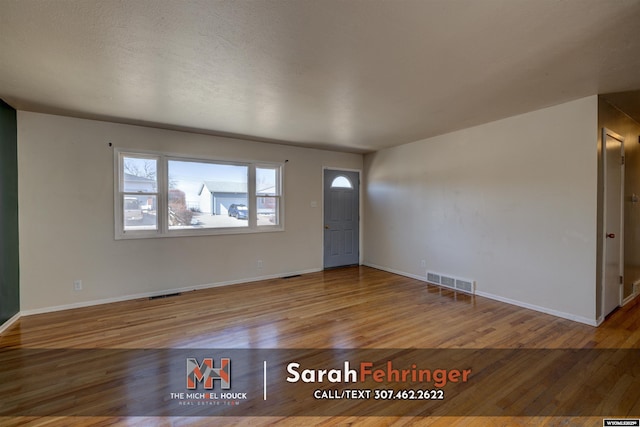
<point x="433" y="277"/>
<point x="456" y="283"/>
<point x="448" y="281"/>
<point x="464" y="285"/>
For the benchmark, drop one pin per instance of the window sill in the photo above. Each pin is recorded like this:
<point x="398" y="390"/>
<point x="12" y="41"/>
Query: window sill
<point x="195" y="233"/>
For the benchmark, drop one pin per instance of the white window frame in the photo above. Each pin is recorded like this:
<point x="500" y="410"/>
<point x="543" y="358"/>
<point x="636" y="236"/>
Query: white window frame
<point x="278" y="193"/>
<point x="163" y="193"/>
<point x="120" y="194"/>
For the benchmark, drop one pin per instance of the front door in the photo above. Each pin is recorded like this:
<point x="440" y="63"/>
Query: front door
<point x="613" y="160"/>
<point x="341" y="218"/>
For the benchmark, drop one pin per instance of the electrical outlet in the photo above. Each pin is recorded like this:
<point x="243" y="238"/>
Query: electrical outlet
<point x="77" y="285"/>
<point x="423" y="263"/>
<point x="259" y="263"/>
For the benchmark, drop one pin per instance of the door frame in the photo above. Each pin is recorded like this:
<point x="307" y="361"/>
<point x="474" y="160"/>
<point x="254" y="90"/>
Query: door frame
<point x="607" y="133"/>
<point x="322" y="204"/>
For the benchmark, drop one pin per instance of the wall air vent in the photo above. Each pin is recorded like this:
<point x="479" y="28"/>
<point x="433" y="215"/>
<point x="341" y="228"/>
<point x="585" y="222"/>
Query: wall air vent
<point x="448" y="281"/>
<point x="433" y="278"/>
<point x="452" y="282"/>
<point x="464" y="285"/>
<point x="177" y="294"/>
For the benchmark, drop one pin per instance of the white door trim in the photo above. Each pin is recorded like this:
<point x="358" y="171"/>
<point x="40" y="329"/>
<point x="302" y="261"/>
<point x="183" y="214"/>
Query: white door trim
<point x="606" y="133"/>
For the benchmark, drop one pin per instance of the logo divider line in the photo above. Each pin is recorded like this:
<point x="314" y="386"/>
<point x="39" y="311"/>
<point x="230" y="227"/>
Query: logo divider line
<point x="265" y="380"/>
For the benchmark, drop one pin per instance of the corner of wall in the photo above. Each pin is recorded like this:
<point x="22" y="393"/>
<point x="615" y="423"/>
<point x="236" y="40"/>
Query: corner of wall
<point x="9" y="243"/>
<point x="9" y="323"/>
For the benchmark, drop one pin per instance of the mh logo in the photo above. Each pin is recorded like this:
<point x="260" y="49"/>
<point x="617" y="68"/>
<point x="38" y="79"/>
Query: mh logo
<point x="206" y="373"/>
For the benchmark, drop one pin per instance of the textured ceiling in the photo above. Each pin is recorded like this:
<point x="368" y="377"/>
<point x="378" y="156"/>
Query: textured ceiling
<point x="344" y="74"/>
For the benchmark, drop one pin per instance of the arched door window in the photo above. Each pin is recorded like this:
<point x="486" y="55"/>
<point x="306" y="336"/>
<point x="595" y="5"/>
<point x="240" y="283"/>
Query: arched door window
<point x="341" y="182"/>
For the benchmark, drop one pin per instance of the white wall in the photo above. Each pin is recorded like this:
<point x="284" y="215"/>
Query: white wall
<point x="66" y="215"/>
<point x="511" y="204"/>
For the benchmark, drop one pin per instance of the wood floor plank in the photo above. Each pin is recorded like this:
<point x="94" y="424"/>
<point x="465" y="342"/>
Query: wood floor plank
<point x="357" y="307"/>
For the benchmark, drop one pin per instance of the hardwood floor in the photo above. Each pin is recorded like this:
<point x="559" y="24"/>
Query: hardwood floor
<point x="355" y="308"/>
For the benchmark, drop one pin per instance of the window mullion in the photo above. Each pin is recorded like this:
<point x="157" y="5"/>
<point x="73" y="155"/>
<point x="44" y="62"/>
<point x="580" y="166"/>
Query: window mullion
<point x="252" y="197"/>
<point x="163" y="190"/>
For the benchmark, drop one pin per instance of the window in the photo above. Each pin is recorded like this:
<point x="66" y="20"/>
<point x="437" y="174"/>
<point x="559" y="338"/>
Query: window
<point x="341" y="182"/>
<point x="139" y="192"/>
<point x="268" y="195"/>
<point x="160" y="195"/>
<point x="207" y="195"/>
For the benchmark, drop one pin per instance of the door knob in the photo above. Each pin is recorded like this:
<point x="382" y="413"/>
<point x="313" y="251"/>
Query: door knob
<point x="611" y="236"/>
<point x="326" y="227"/>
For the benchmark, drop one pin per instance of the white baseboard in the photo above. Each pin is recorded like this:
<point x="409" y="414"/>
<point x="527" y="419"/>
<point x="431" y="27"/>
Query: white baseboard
<point x="569" y="316"/>
<point x="635" y="293"/>
<point x="6" y="325"/>
<point x="158" y="293"/>
<point x="398" y="272"/>
<point x="628" y="299"/>
<point x="545" y="310"/>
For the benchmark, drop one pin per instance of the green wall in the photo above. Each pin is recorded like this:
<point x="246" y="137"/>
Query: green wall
<point x="9" y="264"/>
